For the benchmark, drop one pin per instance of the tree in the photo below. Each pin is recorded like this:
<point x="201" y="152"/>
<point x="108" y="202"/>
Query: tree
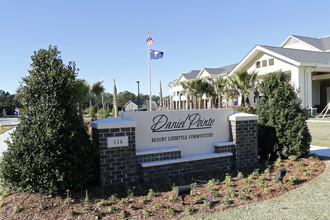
<point x="245" y="83"/>
<point x="81" y="91"/>
<point x="50" y="149"/>
<point x="282" y="124"/>
<point x="160" y="96"/>
<point x="97" y="90"/>
<point x="202" y="88"/>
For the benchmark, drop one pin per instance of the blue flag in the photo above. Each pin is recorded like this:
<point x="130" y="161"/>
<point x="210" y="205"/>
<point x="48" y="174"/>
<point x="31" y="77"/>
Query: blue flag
<point x="154" y="54"/>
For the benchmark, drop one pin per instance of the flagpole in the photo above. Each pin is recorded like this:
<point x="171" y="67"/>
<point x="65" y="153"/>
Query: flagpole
<point x="149" y="75"/>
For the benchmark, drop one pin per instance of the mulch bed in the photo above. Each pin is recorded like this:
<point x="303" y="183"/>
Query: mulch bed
<point x="164" y="205"/>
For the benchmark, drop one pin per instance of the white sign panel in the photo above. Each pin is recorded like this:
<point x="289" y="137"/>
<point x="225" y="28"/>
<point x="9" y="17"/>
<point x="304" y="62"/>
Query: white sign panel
<point x="194" y="131"/>
<point x="117" y="141"/>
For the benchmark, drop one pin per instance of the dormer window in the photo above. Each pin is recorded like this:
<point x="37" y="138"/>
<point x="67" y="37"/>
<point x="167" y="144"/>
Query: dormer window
<point x="271" y="62"/>
<point x="264" y="63"/>
<point x="258" y="64"/>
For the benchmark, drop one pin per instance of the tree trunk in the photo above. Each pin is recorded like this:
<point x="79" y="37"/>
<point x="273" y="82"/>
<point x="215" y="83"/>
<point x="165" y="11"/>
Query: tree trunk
<point x="103" y="105"/>
<point x="200" y="103"/>
<point x="248" y="105"/>
<point x="195" y="102"/>
<point x="220" y="101"/>
<point x="243" y="101"/>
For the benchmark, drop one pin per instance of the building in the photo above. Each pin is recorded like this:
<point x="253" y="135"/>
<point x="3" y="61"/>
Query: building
<point x="306" y="60"/>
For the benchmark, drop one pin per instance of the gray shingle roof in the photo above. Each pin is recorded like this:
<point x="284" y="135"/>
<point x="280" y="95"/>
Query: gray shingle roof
<point x="319" y="43"/>
<point x="191" y="75"/>
<point x="302" y="56"/>
<point x="221" y="70"/>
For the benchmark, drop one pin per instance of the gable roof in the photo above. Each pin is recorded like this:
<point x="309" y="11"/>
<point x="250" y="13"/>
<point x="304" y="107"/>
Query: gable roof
<point x="294" y="56"/>
<point x="322" y="44"/>
<point x="191" y="75"/>
<point x="220" y="70"/>
<point x="302" y="56"/>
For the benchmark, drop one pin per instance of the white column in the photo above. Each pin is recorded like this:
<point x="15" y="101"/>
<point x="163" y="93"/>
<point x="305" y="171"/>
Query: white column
<point x="309" y="89"/>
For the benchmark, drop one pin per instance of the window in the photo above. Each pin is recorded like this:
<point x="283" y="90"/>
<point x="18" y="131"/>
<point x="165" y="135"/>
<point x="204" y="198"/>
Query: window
<point x="258" y="64"/>
<point x="271" y="62"/>
<point x="264" y="63"/>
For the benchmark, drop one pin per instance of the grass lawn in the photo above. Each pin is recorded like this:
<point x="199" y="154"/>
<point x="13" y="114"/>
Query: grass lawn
<point x="320" y="133"/>
<point x="310" y="201"/>
<point x="7" y="128"/>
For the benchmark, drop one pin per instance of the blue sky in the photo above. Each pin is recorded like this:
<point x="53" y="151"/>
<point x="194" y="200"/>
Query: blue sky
<point x="106" y="39"/>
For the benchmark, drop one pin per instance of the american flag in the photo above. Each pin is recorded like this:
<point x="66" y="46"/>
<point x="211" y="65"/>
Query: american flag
<point x="149" y="41"/>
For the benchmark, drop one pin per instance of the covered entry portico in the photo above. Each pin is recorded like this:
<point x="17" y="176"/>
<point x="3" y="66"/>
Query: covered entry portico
<point x="321" y="89"/>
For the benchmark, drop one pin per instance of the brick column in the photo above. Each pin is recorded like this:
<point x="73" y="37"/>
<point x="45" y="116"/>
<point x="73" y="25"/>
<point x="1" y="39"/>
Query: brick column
<point x="244" y="134"/>
<point x="117" y="164"/>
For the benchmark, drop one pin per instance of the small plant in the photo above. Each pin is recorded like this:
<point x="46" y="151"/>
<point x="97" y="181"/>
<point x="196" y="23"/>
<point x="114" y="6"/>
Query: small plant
<point x="262" y="177"/>
<point x="280" y="186"/>
<point x="312" y="156"/>
<point x="250" y="177"/>
<point x="86" y="196"/>
<point x="157" y="206"/>
<point x="174" y="189"/>
<point x="208" y="203"/>
<point x="240" y="175"/>
<point x="97" y="212"/>
<point x="291" y="180"/>
<point x="231" y="192"/>
<point x="2" y="202"/>
<point x="275" y="180"/>
<point x="68" y="197"/>
<point x="189" y="209"/>
<point x="267" y="189"/>
<point x="112" y="208"/>
<point x="88" y="208"/>
<point x="228" y="184"/>
<point x="193" y="193"/>
<point x="301" y="163"/>
<point x="193" y="185"/>
<point x="131" y="206"/>
<point x="113" y="197"/>
<point x="171" y="198"/>
<point x="288" y="164"/>
<point x="151" y="193"/>
<point x="198" y="199"/>
<point x="267" y="171"/>
<point x="278" y="165"/>
<point x="169" y="209"/>
<point x="124" y="201"/>
<point x="225" y="201"/>
<point x="246" y="180"/>
<point x="130" y="192"/>
<point x="255" y="172"/>
<point x="72" y="212"/>
<point x="41" y="207"/>
<point x="17" y="209"/>
<point x="142" y="200"/>
<point x="213" y="182"/>
<point x="123" y="214"/>
<point x="6" y="193"/>
<point x="146" y="212"/>
<point x="102" y="203"/>
<point x="313" y="163"/>
<point x="279" y="160"/>
<point x="228" y="178"/>
<point x="293" y="157"/>
<point x="260" y="183"/>
<point x="241" y="196"/>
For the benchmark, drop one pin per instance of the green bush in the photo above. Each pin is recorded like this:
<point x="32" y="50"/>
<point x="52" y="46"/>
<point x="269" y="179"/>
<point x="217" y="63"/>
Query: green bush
<point x="103" y="114"/>
<point x="50" y="149"/>
<point x="92" y="113"/>
<point x="283" y="129"/>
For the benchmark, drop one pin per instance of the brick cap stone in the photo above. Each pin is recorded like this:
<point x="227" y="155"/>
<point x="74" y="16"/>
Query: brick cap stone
<point x="113" y="123"/>
<point x="239" y="116"/>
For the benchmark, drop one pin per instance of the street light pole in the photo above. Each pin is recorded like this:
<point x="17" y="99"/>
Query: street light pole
<point x="138" y="95"/>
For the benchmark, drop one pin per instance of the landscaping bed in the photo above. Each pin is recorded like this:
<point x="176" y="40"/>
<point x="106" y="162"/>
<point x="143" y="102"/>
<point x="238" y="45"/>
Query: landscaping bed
<point x="213" y="192"/>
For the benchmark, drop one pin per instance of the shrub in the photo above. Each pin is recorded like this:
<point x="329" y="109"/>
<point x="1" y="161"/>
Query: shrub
<point x="50" y="149"/>
<point x="103" y="114"/>
<point x="92" y="113"/>
<point x="283" y="129"/>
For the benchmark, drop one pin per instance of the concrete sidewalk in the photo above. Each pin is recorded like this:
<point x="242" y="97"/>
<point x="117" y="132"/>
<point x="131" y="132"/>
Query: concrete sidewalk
<point x="3" y="137"/>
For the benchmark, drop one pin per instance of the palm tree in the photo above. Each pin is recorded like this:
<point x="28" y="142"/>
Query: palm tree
<point x="115" y="104"/>
<point x="160" y="96"/>
<point x="245" y="83"/>
<point x="188" y="88"/>
<point x="81" y="91"/>
<point x="98" y="89"/>
<point x="201" y="88"/>
<point x="219" y="86"/>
